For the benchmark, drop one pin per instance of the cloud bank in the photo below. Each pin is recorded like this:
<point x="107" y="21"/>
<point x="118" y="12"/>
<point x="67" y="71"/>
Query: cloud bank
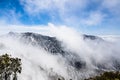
<point x="92" y="52"/>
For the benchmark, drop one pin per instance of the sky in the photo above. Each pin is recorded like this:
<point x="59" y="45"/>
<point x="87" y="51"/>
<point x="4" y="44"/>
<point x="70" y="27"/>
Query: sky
<point x="97" y="17"/>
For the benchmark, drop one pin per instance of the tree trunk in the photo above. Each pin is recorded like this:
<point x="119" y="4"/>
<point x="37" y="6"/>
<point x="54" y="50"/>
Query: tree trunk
<point x="6" y="76"/>
<point x="15" y="77"/>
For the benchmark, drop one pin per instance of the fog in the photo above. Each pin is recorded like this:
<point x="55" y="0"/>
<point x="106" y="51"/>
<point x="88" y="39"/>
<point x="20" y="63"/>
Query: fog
<point x="38" y="64"/>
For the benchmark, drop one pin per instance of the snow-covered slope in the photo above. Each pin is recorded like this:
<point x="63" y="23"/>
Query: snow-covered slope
<point x="50" y="58"/>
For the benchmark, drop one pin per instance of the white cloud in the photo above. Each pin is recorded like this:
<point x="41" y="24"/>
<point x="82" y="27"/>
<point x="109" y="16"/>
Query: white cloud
<point x="37" y="6"/>
<point x="94" y="18"/>
<point x="112" y="5"/>
<point x="5" y="28"/>
<point x="66" y="10"/>
<point x="10" y="17"/>
<point x="69" y="12"/>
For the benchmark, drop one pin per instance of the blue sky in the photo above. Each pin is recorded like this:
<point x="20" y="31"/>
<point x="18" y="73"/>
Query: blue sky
<point x="87" y="16"/>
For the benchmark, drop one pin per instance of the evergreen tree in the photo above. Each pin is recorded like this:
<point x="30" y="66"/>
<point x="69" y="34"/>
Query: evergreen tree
<point x="9" y="67"/>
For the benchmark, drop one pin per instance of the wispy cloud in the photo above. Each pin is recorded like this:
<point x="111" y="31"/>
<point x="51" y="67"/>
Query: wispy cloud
<point x="66" y="10"/>
<point x="112" y="5"/>
<point x="4" y="28"/>
<point x="10" y="17"/>
<point x="73" y="11"/>
<point x="94" y="18"/>
<point x="62" y="7"/>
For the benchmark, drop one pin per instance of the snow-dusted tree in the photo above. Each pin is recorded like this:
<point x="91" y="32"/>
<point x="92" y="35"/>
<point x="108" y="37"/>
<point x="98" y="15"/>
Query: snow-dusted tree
<point x="9" y="67"/>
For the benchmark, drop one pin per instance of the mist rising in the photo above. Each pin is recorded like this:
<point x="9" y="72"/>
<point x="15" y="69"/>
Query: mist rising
<point x="64" y="53"/>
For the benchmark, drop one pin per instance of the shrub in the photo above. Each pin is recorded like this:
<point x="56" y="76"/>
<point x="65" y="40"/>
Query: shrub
<point x="107" y="76"/>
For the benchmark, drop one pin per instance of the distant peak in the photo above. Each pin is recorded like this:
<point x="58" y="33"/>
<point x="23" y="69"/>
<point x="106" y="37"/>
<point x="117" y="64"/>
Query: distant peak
<point x="91" y="37"/>
<point x="11" y="32"/>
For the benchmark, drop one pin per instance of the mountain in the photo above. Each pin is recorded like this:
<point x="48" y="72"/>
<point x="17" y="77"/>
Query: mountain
<point x="54" y="46"/>
<point x="91" y="37"/>
<point x="50" y="57"/>
<point x="50" y="44"/>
